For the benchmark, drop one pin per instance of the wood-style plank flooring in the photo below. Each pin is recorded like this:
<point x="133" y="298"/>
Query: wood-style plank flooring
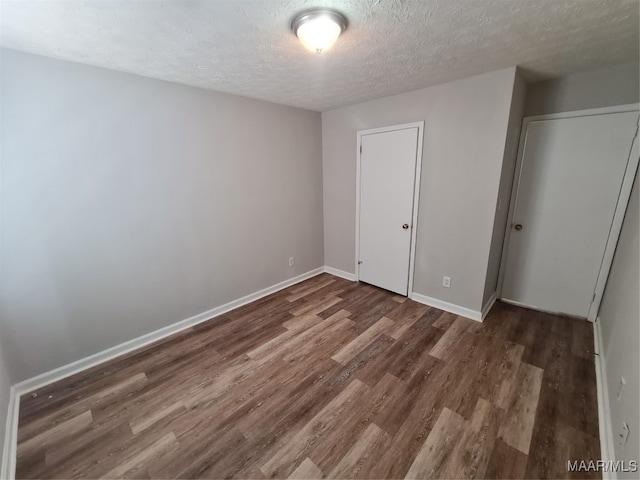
<point x="328" y="379"/>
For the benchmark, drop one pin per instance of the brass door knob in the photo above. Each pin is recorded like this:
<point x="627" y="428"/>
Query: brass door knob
<point x="405" y="226"/>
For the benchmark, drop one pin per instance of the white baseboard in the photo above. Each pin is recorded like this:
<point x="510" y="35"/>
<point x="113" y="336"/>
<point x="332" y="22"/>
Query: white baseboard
<point x="489" y="305"/>
<point x="7" y="470"/>
<point x="130" y="345"/>
<point x="432" y="302"/>
<point x="607" y="452"/>
<point x="448" y="307"/>
<point x="340" y="273"/>
<point x="9" y="452"/>
<point x="8" y="466"/>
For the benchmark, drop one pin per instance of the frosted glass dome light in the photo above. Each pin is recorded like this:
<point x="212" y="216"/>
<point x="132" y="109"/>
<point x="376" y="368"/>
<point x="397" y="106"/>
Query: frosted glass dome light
<point x="318" y="30"/>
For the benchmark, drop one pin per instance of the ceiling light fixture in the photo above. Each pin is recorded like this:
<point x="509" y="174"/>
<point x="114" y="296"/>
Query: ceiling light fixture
<point x="318" y="29"/>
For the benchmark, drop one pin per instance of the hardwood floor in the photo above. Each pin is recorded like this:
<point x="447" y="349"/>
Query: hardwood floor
<point x="328" y="378"/>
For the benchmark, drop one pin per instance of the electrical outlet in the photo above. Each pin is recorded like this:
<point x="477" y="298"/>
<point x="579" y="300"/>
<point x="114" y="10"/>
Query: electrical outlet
<point x="291" y="261"/>
<point x="446" y="282"/>
<point x="623" y="435"/>
<point x="621" y="385"/>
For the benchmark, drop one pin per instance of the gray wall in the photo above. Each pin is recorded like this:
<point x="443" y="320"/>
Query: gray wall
<point x="129" y="204"/>
<point x="5" y="389"/>
<point x="464" y="145"/>
<point x="620" y="323"/>
<point x="5" y="381"/>
<point x="506" y="183"/>
<point x="615" y="85"/>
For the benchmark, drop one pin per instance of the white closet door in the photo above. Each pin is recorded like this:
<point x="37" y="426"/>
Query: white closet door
<point x="387" y="183"/>
<point x="571" y="175"/>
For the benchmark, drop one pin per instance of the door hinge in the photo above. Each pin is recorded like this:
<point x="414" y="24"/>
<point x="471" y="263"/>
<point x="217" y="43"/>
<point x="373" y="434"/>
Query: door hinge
<point x="360" y="148"/>
<point x="594" y="297"/>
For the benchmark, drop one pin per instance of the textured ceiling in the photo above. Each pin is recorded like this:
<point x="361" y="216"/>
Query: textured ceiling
<point x="391" y="46"/>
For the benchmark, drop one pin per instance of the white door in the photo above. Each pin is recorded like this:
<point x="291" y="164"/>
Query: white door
<point x="571" y="176"/>
<point x="387" y="179"/>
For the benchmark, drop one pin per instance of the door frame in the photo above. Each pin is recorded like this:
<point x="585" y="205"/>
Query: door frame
<point x="416" y="193"/>
<point x="621" y="205"/>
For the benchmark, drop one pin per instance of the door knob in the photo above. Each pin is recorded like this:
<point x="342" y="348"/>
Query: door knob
<point x="518" y="227"/>
<point x="405" y="226"/>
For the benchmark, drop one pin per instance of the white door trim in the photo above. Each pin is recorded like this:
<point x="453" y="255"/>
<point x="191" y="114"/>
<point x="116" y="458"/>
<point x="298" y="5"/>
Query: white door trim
<point x="614" y="233"/>
<point x="416" y="192"/>
<point x="621" y="206"/>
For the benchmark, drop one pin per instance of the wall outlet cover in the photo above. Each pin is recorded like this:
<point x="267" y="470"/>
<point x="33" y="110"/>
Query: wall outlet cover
<point x="624" y="434"/>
